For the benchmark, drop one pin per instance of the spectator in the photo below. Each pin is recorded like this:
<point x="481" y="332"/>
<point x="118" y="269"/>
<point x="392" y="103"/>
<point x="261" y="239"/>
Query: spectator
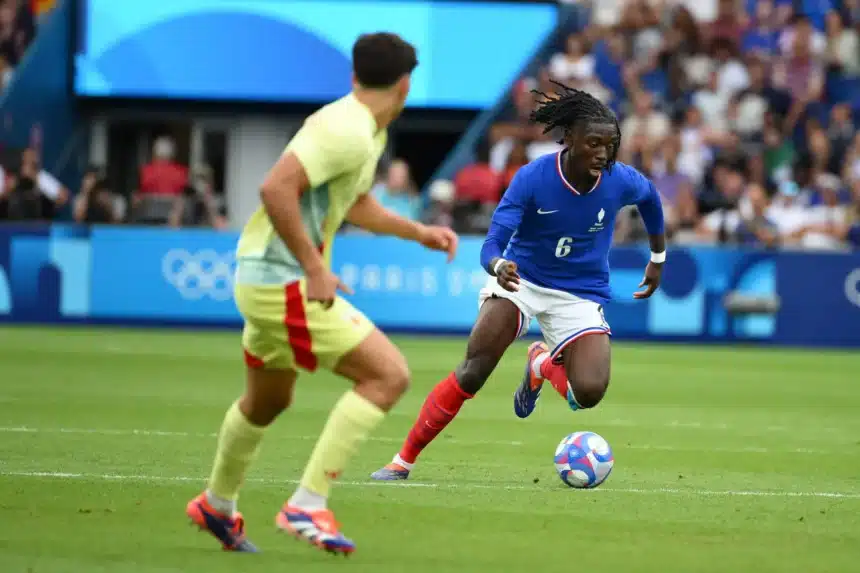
<point x="515" y="125"/>
<point x="676" y="188"/>
<point x="609" y="63"/>
<point x="840" y="132"/>
<point x="843" y="47"/>
<point x="732" y="75"/>
<point x="820" y="150"/>
<point x="478" y="182"/>
<point x="704" y="11"/>
<point x="755" y="228"/>
<point x="640" y="22"/>
<point x="574" y="64"/>
<point x="516" y="159"/>
<point x="788" y="212"/>
<point x="801" y="27"/>
<point x="761" y="40"/>
<point x="577" y="69"/>
<point x="746" y="110"/>
<point x="851" y="163"/>
<point x="441" y="204"/>
<point x="696" y="142"/>
<point x="163" y="175"/>
<point x="851" y="11"/>
<point x="54" y="193"/>
<point x="95" y="203"/>
<point x="779" y="153"/>
<point x="825" y="222"/>
<point x="645" y="128"/>
<point x="800" y="73"/>
<point x="724" y="195"/>
<point x="397" y="192"/>
<point x="22" y="201"/>
<point x="730" y="24"/>
<point x="712" y="103"/>
<point x="162" y="182"/>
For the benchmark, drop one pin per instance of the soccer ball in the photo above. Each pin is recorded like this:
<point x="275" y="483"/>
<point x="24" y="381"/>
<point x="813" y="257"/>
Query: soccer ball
<point x="583" y="460"/>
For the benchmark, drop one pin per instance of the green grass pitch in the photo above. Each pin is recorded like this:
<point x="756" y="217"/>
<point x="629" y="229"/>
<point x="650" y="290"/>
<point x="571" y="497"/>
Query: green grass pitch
<point x="727" y="459"/>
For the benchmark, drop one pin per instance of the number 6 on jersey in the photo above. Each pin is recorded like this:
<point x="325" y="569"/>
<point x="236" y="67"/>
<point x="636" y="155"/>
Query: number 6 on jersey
<point x="562" y="249"/>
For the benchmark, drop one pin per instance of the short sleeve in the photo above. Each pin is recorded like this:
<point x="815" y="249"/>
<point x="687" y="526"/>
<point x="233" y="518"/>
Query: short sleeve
<point x="327" y="150"/>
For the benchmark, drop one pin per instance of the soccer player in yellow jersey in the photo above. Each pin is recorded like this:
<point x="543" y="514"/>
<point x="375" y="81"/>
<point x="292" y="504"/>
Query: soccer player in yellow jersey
<point x="287" y="295"/>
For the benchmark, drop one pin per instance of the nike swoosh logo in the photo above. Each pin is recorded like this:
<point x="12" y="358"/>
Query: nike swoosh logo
<point x="542" y="212"/>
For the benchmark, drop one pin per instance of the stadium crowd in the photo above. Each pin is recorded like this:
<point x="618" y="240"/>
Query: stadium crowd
<point x="744" y="113"/>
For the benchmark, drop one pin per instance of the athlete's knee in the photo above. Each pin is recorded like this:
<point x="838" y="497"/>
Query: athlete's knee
<point x="387" y="384"/>
<point x="262" y="410"/>
<point x="589" y="389"/>
<point x="473" y="372"/>
<point x="398" y="377"/>
<point x="267" y="394"/>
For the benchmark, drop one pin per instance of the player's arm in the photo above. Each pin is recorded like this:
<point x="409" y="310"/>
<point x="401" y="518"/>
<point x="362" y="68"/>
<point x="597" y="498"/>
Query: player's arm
<point x="318" y="153"/>
<point x="650" y="207"/>
<point x="280" y="193"/>
<point x="370" y="215"/>
<point x="506" y="219"/>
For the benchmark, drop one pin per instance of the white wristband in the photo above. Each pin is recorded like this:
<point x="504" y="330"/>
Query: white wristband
<point x="658" y="258"/>
<point x="499" y="264"/>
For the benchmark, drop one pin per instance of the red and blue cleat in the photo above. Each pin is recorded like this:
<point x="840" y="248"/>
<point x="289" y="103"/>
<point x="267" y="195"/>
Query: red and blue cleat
<point x="318" y="528"/>
<point x="391" y="472"/>
<point x="229" y="531"/>
<point x="527" y="395"/>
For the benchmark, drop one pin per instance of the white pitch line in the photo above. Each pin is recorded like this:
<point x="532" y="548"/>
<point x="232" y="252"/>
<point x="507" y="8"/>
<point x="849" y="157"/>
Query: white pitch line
<point x="468" y="486"/>
<point x="171" y="434"/>
<point x="383" y="439"/>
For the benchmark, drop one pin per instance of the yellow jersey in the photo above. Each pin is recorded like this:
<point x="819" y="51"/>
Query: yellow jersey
<point x="339" y="147"/>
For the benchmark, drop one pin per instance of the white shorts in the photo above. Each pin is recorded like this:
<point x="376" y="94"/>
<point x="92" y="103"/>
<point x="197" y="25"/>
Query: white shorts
<point x="563" y="317"/>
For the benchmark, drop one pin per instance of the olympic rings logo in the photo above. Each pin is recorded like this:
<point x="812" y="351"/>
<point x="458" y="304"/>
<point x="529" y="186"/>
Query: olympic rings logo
<point x="204" y="274"/>
<point x="852" y="287"/>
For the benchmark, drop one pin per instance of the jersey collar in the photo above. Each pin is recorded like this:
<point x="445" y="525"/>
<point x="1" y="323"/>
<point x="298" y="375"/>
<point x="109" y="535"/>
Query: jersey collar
<point x="568" y="183"/>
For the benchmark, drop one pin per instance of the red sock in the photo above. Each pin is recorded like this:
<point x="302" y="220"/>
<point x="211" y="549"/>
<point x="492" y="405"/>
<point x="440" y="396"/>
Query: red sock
<point x="440" y="407"/>
<point x="556" y="375"/>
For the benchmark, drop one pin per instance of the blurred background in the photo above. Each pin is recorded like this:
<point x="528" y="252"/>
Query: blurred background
<point x="135" y="135"/>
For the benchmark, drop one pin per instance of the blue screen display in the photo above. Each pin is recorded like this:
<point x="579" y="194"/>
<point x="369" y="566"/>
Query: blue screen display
<point x="299" y="51"/>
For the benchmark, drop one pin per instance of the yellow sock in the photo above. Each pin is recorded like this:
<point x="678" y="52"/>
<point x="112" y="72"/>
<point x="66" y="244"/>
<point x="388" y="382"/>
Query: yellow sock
<point x="238" y="443"/>
<point x="349" y="424"/>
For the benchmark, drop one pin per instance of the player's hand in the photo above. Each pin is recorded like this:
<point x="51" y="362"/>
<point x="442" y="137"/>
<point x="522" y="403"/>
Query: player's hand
<point x="651" y="281"/>
<point x="507" y="277"/>
<point x="322" y="286"/>
<point x="439" y="239"/>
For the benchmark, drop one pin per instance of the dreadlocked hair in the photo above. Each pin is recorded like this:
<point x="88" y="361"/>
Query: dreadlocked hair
<point x="569" y="107"/>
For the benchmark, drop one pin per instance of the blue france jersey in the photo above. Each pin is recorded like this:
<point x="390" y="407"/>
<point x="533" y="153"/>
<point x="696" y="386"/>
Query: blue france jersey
<point x="560" y="237"/>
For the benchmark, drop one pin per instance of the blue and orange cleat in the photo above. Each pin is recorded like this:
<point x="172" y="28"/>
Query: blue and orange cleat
<point x="527" y="395"/>
<point x="318" y="528"/>
<point x="230" y="531"/>
<point x="391" y="472"/>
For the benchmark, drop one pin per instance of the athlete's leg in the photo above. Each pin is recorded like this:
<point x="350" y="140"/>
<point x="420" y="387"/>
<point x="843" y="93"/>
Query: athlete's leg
<point x="269" y="381"/>
<point x="498" y="324"/>
<point x="578" y="362"/>
<point x="381" y="376"/>
<point x="267" y="394"/>
<point x="587" y="364"/>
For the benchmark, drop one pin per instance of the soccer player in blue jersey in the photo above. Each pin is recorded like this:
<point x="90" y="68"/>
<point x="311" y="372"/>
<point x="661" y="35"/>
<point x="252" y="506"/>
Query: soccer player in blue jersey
<point x="547" y="253"/>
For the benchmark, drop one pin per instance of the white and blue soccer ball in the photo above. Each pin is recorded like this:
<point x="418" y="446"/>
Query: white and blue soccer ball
<point x="583" y="460"/>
